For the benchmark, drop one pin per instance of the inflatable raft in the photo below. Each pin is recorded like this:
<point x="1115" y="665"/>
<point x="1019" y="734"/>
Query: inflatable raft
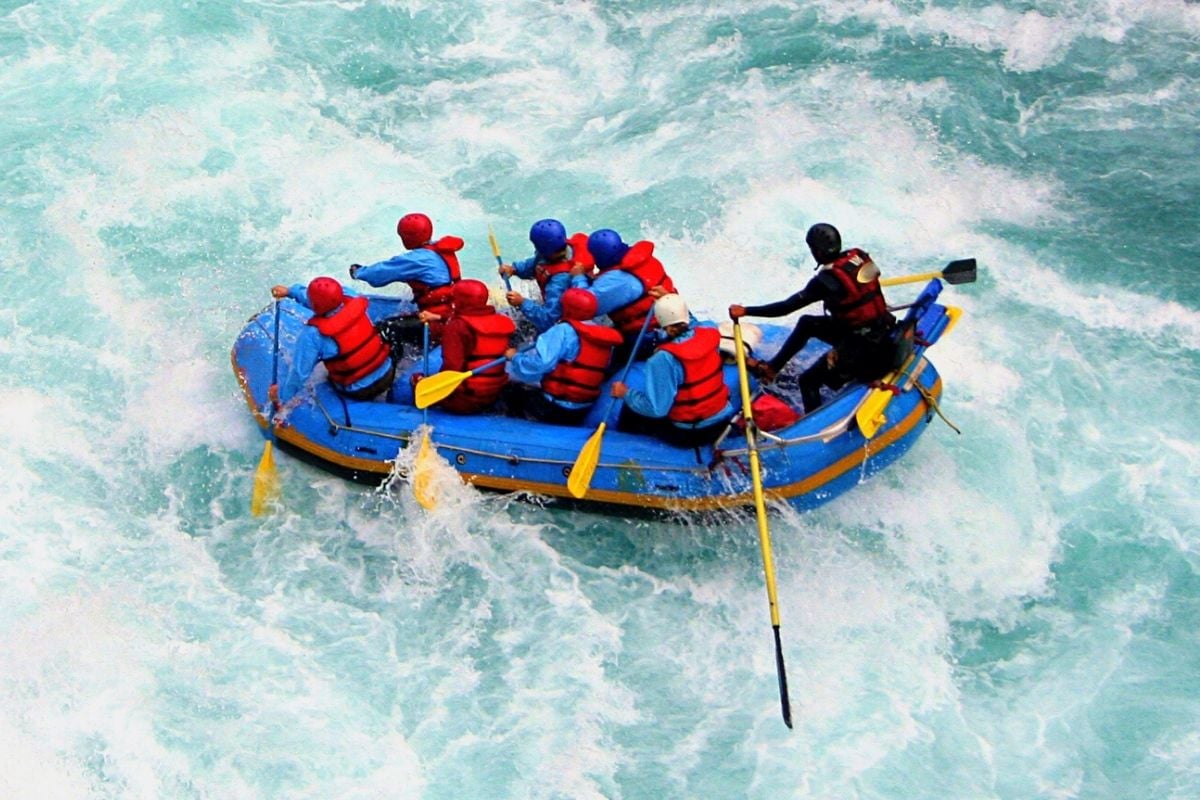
<point x="856" y="432"/>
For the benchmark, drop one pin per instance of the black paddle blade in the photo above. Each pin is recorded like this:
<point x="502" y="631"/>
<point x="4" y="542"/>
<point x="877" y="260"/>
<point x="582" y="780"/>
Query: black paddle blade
<point x="785" y="702"/>
<point x="961" y="271"/>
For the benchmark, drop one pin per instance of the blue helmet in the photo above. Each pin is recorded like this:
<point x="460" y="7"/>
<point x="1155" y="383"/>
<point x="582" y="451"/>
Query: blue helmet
<point x="606" y="248"/>
<point x="548" y="237"/>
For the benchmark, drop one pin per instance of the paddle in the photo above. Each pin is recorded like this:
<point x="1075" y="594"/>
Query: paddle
<point x="760" y="510"/>
<point x="423" y="465"/>
<point x="870" y="415"/>
<point x="496" y="252"/>
<point x="266" y="479"/>
<point x="585" y="463"/>
<point x="434" y="388"/>
<point x="954" y="273"/>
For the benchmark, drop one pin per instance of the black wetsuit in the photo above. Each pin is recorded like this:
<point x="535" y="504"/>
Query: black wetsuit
<point x="865" y="353"/>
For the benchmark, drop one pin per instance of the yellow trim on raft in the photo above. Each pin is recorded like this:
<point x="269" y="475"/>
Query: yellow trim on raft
<point x="663" y="502"/>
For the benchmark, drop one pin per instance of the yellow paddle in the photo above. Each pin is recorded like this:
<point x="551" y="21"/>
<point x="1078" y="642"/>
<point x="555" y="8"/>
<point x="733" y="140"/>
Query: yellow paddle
<point x="760" y="510"/>
<point x="423" y="465"/>
<point x="585" y="463"/>
<point x="266" y="478"/>
<point x="870" y="416"/>
<point x="434" y="388"/>
<point x="496" y="252"/>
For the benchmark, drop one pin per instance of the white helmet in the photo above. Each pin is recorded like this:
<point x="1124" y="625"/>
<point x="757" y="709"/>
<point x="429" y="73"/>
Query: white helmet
<point x="670" y="310"/>
<point x="751" y="337"/>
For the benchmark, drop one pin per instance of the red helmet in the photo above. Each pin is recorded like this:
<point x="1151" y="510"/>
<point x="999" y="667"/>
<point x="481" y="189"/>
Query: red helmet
<point x="414" y="230"/>
<point x="469" y="294"/>
<point x="578" y="304"/>
<point x="324" y="294"/>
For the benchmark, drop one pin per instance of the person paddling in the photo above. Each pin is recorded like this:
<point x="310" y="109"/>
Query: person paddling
<point x="559" y="379"/>
<point x="429" y="267"/>
<point x="685" y="401"/>
<point x="856" y="324"/>
<point x="630" y="281"/>
<point x="557" y="264"/>
<point x="474" y="335"/>
<point x="342" y="337"/>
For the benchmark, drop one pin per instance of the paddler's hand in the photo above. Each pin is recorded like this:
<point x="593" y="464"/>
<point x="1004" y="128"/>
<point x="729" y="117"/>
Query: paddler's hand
<point x="763" y="371"/>
<point x="578" y="269"/>
<point x="279" y="292"/>
<point x="736" y="311"/>
<point x="658" y="291"/>
<point x="507" y="270"/>
<point x="354" y="268"/>
<point x="429" y="316"/>
<point x="514" y="299"/>
<point x="510" y="352"/>
<point x="273" y="393"/>
<point x="618" y="389"/>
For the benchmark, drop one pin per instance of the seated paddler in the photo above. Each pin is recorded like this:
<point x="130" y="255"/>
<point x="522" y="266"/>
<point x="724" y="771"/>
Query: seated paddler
<point x="429" y="267"/>
<point x="557" y="264"/>
<point x="629" y="281"/>
<point x="856" y="323"/>
<point x="339" y="335"/>
<point x="685" y="400"/>
<point x="559" y="378"/>
<point x="473" y="336"/>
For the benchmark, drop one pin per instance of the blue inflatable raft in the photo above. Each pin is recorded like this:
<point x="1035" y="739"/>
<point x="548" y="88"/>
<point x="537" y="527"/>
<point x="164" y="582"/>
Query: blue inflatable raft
<point x="806" y="463"/>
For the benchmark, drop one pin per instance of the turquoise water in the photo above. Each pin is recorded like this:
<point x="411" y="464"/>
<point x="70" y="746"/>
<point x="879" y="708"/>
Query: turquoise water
<point x="1010" y="613"/>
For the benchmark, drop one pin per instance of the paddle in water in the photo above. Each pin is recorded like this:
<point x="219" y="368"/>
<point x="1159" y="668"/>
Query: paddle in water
<point x="760" y="510"/>
<point x="266" y="478"/>
<point x="424" y="465"/>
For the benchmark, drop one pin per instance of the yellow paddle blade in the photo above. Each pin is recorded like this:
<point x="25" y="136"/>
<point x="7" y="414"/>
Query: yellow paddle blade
<point x="870" y="415"/>
<point x="492" y="241"/>
<point x="585" y="464"/>
<point x="439" y="386"/>
<point x="953" y="313"/>
<point x="423" y="473"/>
<point x="266" y="482"/>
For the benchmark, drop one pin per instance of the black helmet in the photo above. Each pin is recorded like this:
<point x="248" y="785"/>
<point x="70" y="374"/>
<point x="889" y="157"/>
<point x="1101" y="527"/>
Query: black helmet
<point x="824" y="241"/>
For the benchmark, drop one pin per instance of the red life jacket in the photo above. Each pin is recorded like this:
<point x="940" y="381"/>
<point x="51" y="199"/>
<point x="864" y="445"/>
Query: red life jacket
<point x="579" y="381"/>
<point x="863" y="303"/>
<point x="703" y="392"/>
<point x="360" y="348"/>
<point x="577" y="253"/>
<point x="490" y="333"/>
<point x="641" y="264"/>
<point x="437" y="298"/>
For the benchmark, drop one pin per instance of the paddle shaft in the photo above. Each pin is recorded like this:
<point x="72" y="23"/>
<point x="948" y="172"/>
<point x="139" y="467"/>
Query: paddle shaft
<point x="760" y="511"/>
<point x="496" y="252"/>
<point x="580" y="477"/>
<point x="637" y="343"/>
<point x="274" y="375"/>
<point x="961" y="271"/>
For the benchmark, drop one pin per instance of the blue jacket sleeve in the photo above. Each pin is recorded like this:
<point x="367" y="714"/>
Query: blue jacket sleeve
<point x="546" y="314"/>
<point x="615" y="289"/>
<point x="311" y="347"/>
<point x="526" y="267"/>
<point x="560" y="343"/>
<point x="663" y="376"/>
<point x="421" y="265"/>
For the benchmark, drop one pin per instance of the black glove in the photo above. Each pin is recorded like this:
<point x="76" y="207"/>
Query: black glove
<point x="354" y="268"/>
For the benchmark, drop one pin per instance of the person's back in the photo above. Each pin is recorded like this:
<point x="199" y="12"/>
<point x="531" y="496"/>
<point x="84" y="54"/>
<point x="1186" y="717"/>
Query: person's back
<point x="429" y="267"/>
<point x="475" y="335"/>
<point x="340" y="335"/>
<point x="567" y="363"/>
<point x="685" y="400"/>
<point x="559" y="263"/>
